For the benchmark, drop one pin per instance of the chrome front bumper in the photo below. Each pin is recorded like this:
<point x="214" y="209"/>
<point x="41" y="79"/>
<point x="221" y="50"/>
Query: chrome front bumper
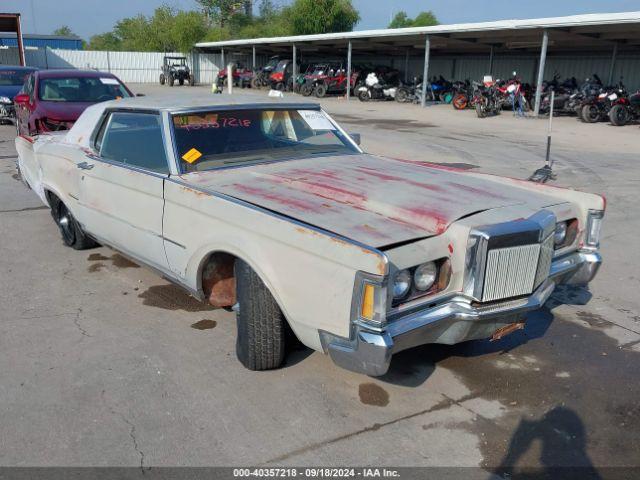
<point x="452" y="321"/>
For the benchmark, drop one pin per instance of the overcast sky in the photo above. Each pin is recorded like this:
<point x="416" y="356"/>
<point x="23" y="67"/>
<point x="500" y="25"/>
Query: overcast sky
<point x="88" y="17"/>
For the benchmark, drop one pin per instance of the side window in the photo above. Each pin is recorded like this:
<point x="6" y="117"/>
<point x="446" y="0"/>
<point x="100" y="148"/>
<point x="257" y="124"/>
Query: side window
<point x="133" y="139"/>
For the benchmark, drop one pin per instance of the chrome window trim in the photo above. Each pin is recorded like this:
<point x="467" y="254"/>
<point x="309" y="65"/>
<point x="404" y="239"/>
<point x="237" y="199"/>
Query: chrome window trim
<point x="107" y="117"/>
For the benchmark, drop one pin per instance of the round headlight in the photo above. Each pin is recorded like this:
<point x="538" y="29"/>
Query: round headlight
<point x="425" y="276"/>
<point x="560" y="234"/>
<point x="401" y="283"/>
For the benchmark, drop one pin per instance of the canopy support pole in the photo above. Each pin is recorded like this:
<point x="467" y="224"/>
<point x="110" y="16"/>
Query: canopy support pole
<point x="349" y="70"/>
<point x="253" y="58"/>
<point x="612" y="67"/>
<point x="491" y="61"/>
<point x="541" y="65"/>
<point x="425" y="72"/>
<point x="294" y="71"/>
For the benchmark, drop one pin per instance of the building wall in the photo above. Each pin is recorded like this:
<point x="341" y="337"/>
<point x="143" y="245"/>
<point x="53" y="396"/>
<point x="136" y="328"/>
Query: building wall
<point x="130" y="67"/>
<point x="70" y="44"/>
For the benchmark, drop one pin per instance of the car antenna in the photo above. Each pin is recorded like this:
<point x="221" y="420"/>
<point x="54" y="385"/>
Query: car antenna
<point x="544" y="174"/>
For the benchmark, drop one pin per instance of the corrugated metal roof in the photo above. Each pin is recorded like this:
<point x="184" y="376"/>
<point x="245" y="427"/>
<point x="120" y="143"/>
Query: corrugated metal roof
<point x="595" y="19"/>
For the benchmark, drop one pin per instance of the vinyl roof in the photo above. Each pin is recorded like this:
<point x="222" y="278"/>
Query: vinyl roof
<point x="200" y="101"/>
<point x="587" y="32"/>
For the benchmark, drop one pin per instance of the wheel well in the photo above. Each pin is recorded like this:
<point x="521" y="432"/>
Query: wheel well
<point x="218" y="279"/>
<point x="52" y="198"/>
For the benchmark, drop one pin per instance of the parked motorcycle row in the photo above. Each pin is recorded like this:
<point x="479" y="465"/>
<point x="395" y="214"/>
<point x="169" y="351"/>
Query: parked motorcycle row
<point x="590" y="101"/>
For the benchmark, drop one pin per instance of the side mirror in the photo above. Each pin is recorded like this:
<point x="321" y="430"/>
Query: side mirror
<point x="140" y="95"/>
<point x="21" y="99"/>
<point x="356" y="138"/>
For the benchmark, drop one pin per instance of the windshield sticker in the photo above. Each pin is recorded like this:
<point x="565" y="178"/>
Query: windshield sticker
<point x="210" y="120"/>
<point x="316" y="120"/>
<point x="109" y="81"/>
<point x="192" y="155"/>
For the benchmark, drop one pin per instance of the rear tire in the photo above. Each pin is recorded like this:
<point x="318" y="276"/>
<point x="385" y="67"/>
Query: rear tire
<point x="171" y="80"/>
<point x="162" y="79"/>
<point x="460" y="102"/>
<point x="363" y="96"/>
<point x="279" y="87"/>
<point x="590" y="114"/>
<point x="619" y="115"/>
<point x="260" y="343"/>
<point x="181" y="81"/>
<point x="72" y="234"/>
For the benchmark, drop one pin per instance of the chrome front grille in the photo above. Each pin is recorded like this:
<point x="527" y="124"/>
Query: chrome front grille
<point x="510" y="272"/>
<point x="509" y="260"/>
<point x="544" y="264"/>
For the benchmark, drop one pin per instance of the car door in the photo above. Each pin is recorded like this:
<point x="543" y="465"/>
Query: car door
<point x="122" y="186"/>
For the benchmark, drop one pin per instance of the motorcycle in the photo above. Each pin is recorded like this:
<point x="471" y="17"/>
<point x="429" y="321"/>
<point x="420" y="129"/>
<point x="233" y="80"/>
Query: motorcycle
<point x="374" y="90"/>
<point x="261" y="78"/>
<point x="487" y="100"/>
<point x="564" y="93"/>
<point x="462" y="95"/>
<point x="625" y="110"/>
<point x="411" y="93"/>
<point x="597" y="108"/>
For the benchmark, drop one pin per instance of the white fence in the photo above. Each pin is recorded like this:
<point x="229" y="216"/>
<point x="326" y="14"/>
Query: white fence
<point x="130" y="67"/>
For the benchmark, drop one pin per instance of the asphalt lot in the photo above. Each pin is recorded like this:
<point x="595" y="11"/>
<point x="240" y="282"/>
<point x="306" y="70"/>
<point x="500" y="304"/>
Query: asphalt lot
<point x="104" y="363"/>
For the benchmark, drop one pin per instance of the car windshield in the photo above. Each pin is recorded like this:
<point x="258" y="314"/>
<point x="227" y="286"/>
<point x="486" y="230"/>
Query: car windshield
<point x="81" y="89"/>
<point x="13" y="77"/>
<point x="218" y="139"/>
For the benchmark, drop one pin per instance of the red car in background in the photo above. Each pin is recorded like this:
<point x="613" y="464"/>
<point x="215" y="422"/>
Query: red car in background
<point x="52" y="100"/>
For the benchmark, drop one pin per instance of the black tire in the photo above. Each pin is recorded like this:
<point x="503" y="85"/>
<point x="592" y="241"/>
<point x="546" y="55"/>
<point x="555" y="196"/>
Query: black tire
<point x="171" y="80"/>
<point x="255" y="82"/>
<point x="261" y="325"/>
<point x="402" y="95"/>
<point x="363" y="96"/>
<point x="162" y="79"/>
<point x="590" y="114"/>
<point x="192" y="81"/>
<point x="306" y="89"/>
<point x="181" y="81"/>
<point x="72" y="234"/>
<point x="481" y="110"/>
<point x="279" y="87"/>
<point x="320" y="90"/>
<point x="460" y="101"/>
<point x="619" y="115"/>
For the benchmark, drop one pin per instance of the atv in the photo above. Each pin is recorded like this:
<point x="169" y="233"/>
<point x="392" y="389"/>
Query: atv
<point x="175" y="68"/>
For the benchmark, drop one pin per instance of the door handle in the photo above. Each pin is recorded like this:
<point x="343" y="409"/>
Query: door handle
<point x="85" y="165"/>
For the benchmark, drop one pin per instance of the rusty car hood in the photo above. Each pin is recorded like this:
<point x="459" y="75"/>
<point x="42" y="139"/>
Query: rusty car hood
<point x="374" y="200"/>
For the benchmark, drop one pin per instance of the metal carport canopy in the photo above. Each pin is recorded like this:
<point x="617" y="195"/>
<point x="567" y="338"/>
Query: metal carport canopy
<point x="577" y="32"/>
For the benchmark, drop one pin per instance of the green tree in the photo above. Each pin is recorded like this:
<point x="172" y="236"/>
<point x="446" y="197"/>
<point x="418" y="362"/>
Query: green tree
<point x="218" y="12"/>
<point x="188" y="28"/>
<point x="423" y="19"/>
<point x="322" y="16"/>
<point x="401" y="20"/>
<point x="64" y="31"/>
<point x="105" y="41"/>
